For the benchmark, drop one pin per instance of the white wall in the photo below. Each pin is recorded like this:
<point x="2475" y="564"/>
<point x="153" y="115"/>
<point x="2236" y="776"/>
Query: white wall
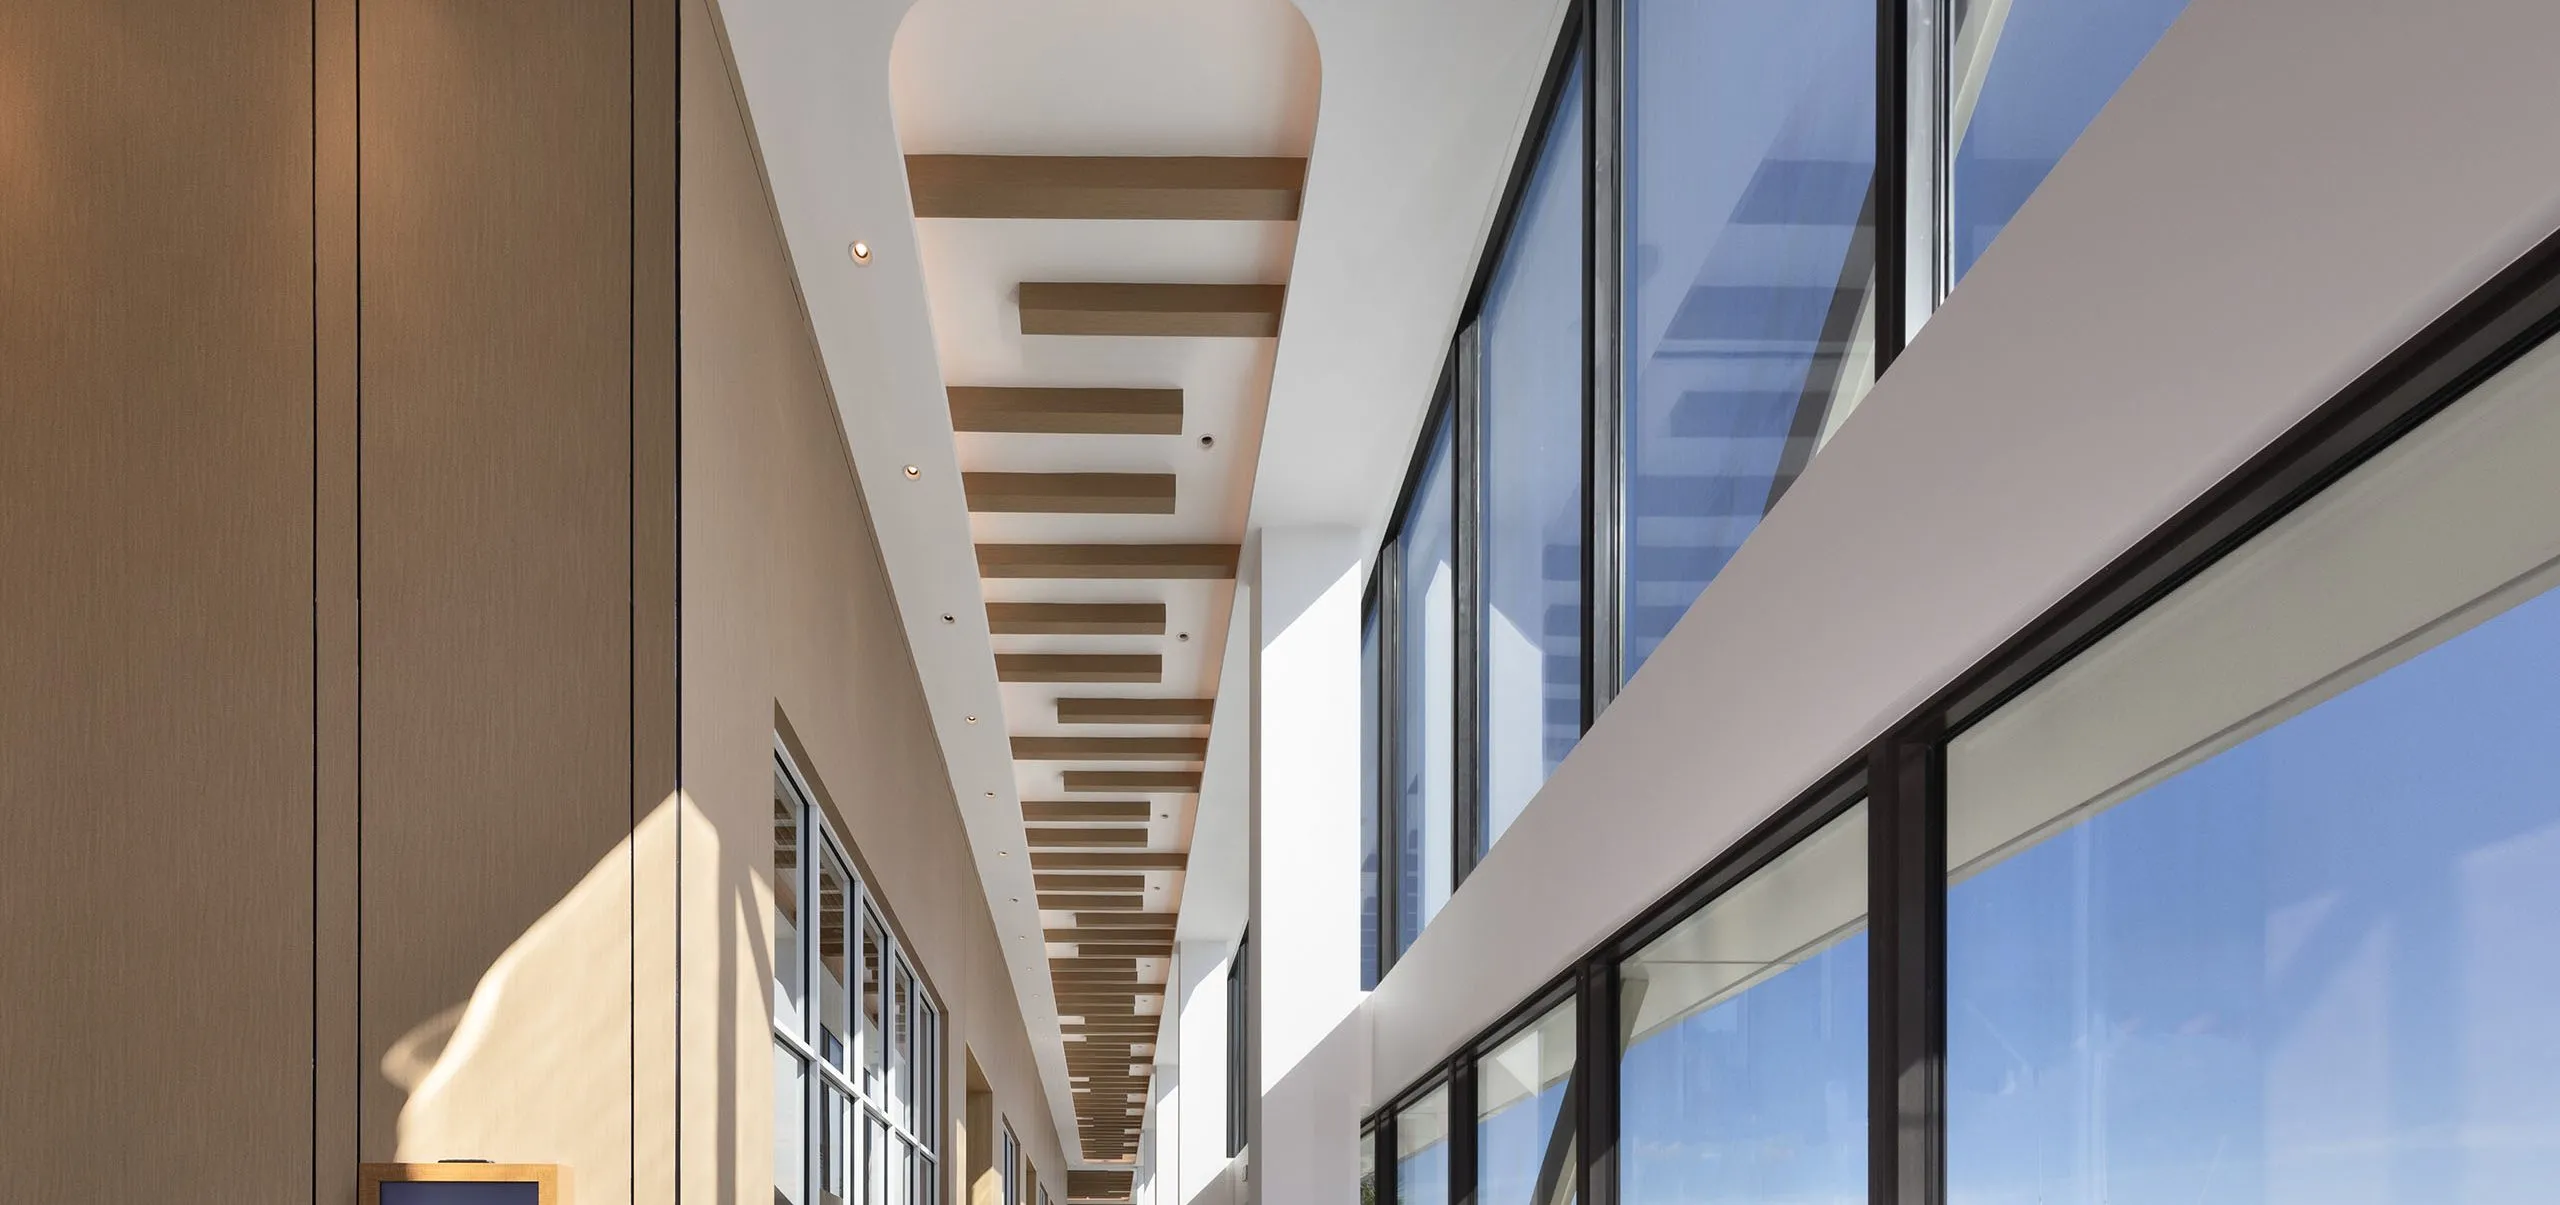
<point x="1305" y="972"/>
<point x="2255" y="220"/>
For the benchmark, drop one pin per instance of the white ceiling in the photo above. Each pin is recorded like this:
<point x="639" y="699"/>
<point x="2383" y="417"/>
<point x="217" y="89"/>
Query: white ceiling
<point x="1421" y="102"/>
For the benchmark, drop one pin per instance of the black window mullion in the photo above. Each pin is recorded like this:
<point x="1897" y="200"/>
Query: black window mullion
<point x="1385" y="1158"/>
<point x="1595" y="1083"/>
<point x="1604" y="511"/>
<point x="1892" y="195"/>
<point x="1467" y="495"/>
<point x="1907" y="971"/>
<point x="1462" y="1130"/>
<point x="1391" y="919"/>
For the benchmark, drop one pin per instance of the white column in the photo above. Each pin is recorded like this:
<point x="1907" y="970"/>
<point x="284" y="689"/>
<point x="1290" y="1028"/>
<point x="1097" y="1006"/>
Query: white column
<point x="1306" y="833"/>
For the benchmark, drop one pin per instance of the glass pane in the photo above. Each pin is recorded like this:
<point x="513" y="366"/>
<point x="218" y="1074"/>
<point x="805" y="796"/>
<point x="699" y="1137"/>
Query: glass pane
<point x="901" y="1001"/>
<point x="875" y="1156"/>
<point x="1524" y="1143"/>
<point x="1533" y="455"/>
<point x="1422" y="1150"/>
<point x="835" y="1156"/>
<point x="928" y="1071"/>
<point x="871" y="1048"/>
<point x="2252" y="901"/>
<point x="789" y="959"/>
<point x="901" y="1173"/>
<point x="1368" y="1167"/>
<point x="790" y="1127"/>
<point x="1371" y="964"/>
<point x="1744" y="1077"/>
<point x="1749" y="274"/>
<point x="1425" y="756"/>
<point x="2025" y="77"/>
<point x="835" y="993"/>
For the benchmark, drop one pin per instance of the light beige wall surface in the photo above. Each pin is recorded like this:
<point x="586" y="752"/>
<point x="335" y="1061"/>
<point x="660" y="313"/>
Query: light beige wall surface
<point x="301" y="302"/>
<point x="787" y="607"/>
<point x="155" y="600"/>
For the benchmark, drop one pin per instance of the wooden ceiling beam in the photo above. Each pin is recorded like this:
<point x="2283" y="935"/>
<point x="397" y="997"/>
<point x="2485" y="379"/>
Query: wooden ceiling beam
<point x="1062" y="902"/>
<point x="1082" y="782"/>
<point x="1114" y="883"/>
<point x="1155" y="939"/>
<point x="1032" y="410"/>
<point x="1135" y="711"/>
<point x="1075" y="619"/>
<point x="1109" y="562"/>
<point x="1068" y="493"/>
<point x="1200" y="188"/>
<point x="1079" y="667"/>
<point x="1081" y="838"/>
<point x="1078" y="810"/>
<point x="1128" y="949"/>
<point x="1151" y="920"/>
<point x="1110" y="859"/>
<point x="1150" y="310"/>
<point x="1111" y="748"/>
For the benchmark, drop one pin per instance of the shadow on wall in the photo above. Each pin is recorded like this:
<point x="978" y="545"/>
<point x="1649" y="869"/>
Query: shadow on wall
<point x="538" y="1064"/>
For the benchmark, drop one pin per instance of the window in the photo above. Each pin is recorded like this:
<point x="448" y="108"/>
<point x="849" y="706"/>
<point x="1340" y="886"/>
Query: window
<point x="1743" y="1075"/>
<point x="1524" y="1140"/>
<point x="1426" y="754"/>
<point x="1240" y="1085"/>
<point x="1749" y="274"/>
<point x="2252" y="900"/>
<point x="1532" y="372"/>
<point x="1368" y="1166"/>
<point x="1422" y="1150"/>
<point x="1372" y="918"/>
<point x="832" y="1125"/>
<point x="1009" y="1164"/>
<point x="1723" y="220"/>
<point x="2026" y="76"/>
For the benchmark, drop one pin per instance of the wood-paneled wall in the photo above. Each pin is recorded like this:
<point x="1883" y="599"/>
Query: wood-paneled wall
<point x="336" y="588"/>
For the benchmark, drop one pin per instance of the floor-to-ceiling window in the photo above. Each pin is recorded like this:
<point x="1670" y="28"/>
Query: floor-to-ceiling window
<point x="1695" y="275"/>
<point x="855" y="1100"/>
<point x="1426" y="754"/>
<point x="1524" y="1136"/>
<point x="2024" y="77"/>
<point x="2253" y="901"/>
<point x="1532" y="365"/>
<point x="1749" y="273"/>
<point x="1743" y="1077"/>
<point x="1422" y="1150"/>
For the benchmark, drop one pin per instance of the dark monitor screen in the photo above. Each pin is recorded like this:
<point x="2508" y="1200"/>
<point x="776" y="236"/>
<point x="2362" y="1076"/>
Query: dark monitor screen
<point x="446" y="1192"/>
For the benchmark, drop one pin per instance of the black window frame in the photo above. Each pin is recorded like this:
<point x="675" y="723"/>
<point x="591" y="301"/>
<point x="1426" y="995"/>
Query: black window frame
<point x="1240" y="1090"/>
<point x="1592" y="35"/>
<point x="1901" y="775"/>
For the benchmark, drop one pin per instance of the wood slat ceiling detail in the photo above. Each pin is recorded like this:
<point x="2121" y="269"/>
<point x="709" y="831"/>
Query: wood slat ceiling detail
<point x="1150" y="310"/>
<point x="1075" y="619"/>
<point x="1107" y="187"/>
<point x="1037" y="410"/>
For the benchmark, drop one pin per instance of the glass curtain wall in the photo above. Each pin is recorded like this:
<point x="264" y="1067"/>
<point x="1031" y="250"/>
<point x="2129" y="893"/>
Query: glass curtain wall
<point x="1736" y="286"/>
<point x="1426" y="754"/>
<point x="842" y="1135"/>
<point x="2252" y="902"/>
<point x="1533" y="352"/>
<point x="1524" y="1134"/>
<point x="1749" y="274"/>
<point x="1422" y="1150"/>
<point x="1743" y="1072"/>
<point x="2024" y="78"/>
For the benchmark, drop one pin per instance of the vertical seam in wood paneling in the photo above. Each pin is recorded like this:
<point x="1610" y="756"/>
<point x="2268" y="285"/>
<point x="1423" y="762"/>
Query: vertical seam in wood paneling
<point x="336" y="1055"/>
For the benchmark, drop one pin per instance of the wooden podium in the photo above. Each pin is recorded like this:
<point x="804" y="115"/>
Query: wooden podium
<point x="462" y="1184"/>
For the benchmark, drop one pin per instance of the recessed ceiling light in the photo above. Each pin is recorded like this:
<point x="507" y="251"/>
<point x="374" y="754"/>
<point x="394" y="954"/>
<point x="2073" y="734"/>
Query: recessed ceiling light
<point x="1155" y="887"/>
<point x="973" y="719"/>
<point x="1208" y="441"/>
<point x="861" y="251"/>
<point x="1182" y="636"/>
<point x="913" y="472"/>
<point x="948" y="617"/>
<point x="1004" y="853"/>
